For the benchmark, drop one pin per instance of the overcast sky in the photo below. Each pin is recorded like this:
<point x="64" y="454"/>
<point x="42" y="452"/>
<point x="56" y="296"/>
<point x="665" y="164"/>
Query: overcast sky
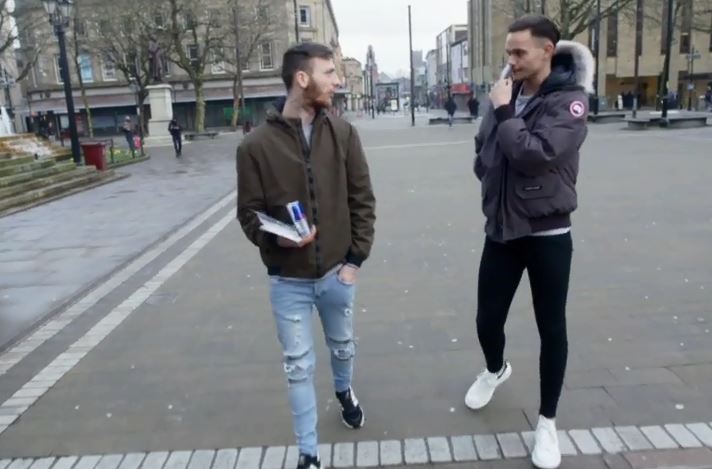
<point x="384" y="24"/>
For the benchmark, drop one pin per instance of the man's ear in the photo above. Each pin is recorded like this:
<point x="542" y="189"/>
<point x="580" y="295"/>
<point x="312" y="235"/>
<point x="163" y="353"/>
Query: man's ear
<point x="302" y="79"/>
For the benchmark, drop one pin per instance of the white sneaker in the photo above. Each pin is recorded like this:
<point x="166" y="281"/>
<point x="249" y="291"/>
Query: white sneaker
<point x="546" y="454"/>
<point x="482" y="390"/>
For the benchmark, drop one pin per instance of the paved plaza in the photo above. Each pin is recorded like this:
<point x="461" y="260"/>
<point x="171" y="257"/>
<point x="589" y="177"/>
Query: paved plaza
<point x="136" y="330"/>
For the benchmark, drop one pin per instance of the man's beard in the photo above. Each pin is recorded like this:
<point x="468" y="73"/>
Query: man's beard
<point x="314" y="98"/>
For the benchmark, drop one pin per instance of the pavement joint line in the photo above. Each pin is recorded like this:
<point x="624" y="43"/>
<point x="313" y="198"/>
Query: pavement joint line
<point x="49" y="373"/>
<point x="417" y="145"/>
<point x="15" y="354"/>
<point x="385" y="453"/>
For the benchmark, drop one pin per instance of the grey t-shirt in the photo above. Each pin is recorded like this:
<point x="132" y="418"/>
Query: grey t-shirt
<point x="521" y="103"/>
<point x="307" y="132"/>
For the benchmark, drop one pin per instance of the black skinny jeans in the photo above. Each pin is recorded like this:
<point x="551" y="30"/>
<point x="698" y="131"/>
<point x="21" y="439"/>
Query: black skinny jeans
<point x="548" y="263"/>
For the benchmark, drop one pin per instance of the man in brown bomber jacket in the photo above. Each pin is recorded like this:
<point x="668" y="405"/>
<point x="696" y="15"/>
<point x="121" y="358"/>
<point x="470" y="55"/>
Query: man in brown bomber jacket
<point x="304" y="154"/>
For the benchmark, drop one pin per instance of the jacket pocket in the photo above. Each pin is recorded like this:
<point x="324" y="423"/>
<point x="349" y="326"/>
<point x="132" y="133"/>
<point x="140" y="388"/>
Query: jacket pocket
<point x="540" y="187"/>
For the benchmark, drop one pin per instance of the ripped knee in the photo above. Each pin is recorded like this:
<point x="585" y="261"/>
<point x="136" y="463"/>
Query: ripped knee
<point x="342" y="349"/>
<point x="299" y="368"/>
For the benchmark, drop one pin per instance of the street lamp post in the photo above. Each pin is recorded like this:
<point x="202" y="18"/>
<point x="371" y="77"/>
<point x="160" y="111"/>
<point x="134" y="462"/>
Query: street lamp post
<point x="597" y="47"/>
<point x="136" y="89"/>
<point x="668" y="51"/>
<point x="60" y="12"/>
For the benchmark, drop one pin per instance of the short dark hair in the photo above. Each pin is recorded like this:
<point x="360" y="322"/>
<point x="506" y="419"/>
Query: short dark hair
<point x="297" y="58"/>
<point x="540" y="26"/>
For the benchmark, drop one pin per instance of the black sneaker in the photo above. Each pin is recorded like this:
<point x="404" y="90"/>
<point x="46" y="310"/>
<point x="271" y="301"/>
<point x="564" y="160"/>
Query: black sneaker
<point x="351" y="412"/>
<point x="308" y="462"/>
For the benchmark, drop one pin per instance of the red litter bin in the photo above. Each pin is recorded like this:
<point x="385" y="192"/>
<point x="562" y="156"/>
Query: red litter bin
<point x="95" y="155"/>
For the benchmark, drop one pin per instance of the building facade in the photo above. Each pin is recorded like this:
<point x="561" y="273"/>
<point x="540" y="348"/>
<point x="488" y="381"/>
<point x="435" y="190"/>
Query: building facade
<point x="623" y="34"/>
<point x="353" y="84"/>
<point x="110" y="97"/>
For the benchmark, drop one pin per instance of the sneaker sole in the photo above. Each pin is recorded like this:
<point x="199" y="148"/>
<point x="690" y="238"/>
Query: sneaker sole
<point x="539" y="465"/>
<point x="360" y="425"/>
<point x="507" y="375"/>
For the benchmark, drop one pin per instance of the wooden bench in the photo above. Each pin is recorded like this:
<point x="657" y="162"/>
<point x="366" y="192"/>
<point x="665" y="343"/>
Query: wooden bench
<point x="200" y="135"/>
<point x="606" y="117"/>
<point x="444" y="120"/>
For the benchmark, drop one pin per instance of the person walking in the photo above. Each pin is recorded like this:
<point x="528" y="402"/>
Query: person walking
<point x="527" y="161"/>
<point x="176" y="132"/>
<point x="304" y="154"/>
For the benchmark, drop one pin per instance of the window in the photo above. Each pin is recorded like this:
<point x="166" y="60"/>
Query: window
<point x="214" y="17"/>
<point x="108" y="69"/>
<point x="192" y="51"/>
<point x="640" y="16"/>
<point x="189" y="20"/>
<point x="304" y="16"/>
<point x="266" y="62"/>
<point x="263" y="12"/>
<point x="217" y="64"/>
<point x="80" y="28"/>
<point x="159" y="21"/>
<point x="612" y="44"/>
<point x="663" y="39"/>
<point x="58" y="70"/>
<point x="686" y="29"/>
<point x="85" y="68"/>
<point x="711" y="33"/>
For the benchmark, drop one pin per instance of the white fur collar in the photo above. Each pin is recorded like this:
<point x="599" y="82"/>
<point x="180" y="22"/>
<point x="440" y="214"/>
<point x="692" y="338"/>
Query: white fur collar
<point x="583" y="58"/>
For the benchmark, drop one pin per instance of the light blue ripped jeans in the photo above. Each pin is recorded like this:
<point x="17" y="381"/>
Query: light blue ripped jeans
<point x="293" y="301"/>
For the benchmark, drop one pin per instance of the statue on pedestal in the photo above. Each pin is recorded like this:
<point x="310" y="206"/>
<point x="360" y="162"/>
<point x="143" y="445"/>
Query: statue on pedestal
<point x="156" y="61"/>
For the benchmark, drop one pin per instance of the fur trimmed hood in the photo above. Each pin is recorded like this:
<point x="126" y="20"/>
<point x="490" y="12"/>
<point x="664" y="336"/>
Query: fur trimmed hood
<point x="574" y="56"/>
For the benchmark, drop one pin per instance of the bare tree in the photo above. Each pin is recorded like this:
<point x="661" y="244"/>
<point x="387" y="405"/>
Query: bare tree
<point x="688" y="15"/>
<point x="197" y="36"/>
<point x="250" y="25"/>
<point x="122" y="33"/>
<point x="573" y="17"/>
<point x="78" y="48"/>
<point x="35" y="37"/>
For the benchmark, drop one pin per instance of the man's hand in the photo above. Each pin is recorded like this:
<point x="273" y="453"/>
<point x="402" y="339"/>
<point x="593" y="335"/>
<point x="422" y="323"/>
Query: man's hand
<point x="347" y="274"/>
<point x="501" y="94"/>
<point x="288" y="243"/>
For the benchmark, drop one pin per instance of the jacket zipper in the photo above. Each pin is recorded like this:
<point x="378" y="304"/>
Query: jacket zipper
<point x="306" y="153"/>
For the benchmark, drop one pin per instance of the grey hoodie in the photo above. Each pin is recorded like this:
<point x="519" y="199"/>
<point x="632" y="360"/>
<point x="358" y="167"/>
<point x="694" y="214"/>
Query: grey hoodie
<point x="528" y="164"/>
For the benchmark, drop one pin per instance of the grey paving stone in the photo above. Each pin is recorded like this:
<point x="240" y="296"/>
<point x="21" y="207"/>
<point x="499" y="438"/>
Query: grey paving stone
<point x="487" y="447"/>
<point x="178" y="460"/>
<point x="249" y="458"/>
<point x="585" y="442"/>
<point x="324" y="454"/>
<point x="512" y="446"/>
<point x="367" y="454"/>
<point x="565" y="444"/>
<point x="4" y="463"/>
<point x="154" y="460"/>
<point x="343" y="455"/>
<point x="43" y="463"/>
<point x="292" y="458"/>
<point x="415" y="451"/>
<point x="66" y="462"/>
<point x="439" y="449"/>
<point x="202" y="459"/>
<point x="20" y="464"/>
<point x="683" y="436"/>
<point x="463" y="448"/>
<point x="633" y="438"/>
<point x="528" y="439"/>
<point x="226" y="459"/>
<point x="391" y="453"/>
<point x="132" y="461"/>
<point x="110" y="461"/>
<point x="274" y="457"/>
<point x="608" y="440"/>
<point x="703" y="433"/>
<point x="88" y="462"/>
<point x="659" y="437"/>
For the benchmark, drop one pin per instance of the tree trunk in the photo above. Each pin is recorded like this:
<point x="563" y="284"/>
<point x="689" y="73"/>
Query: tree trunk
<point x="235" y="104"/>
<point x="199" y="106"/>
